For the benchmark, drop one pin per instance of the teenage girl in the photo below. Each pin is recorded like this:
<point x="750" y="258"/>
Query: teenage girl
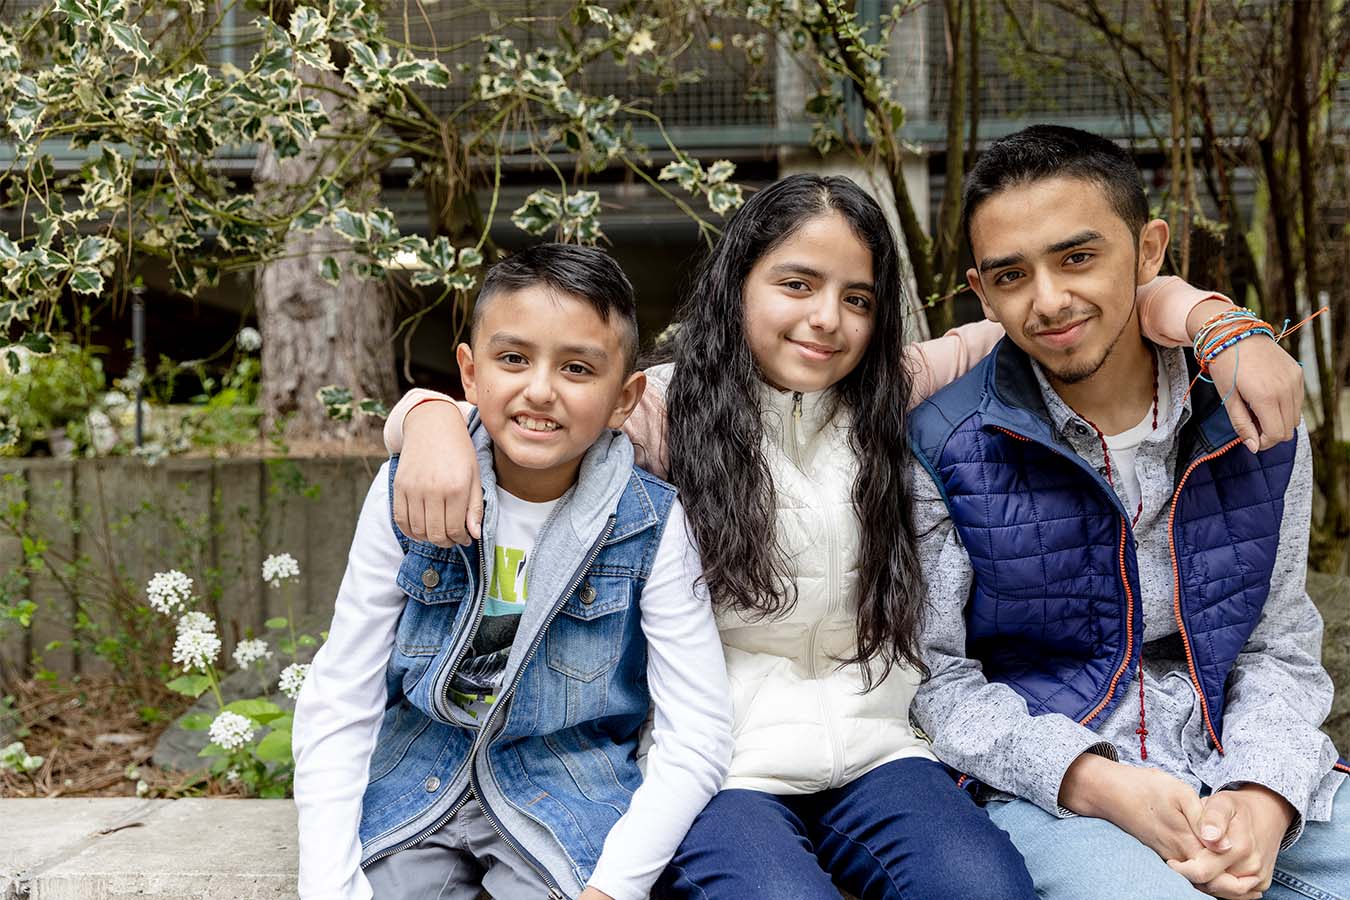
<point x="786" y="411"/>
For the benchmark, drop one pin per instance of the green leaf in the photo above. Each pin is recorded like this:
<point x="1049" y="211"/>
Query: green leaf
<point x="275" y="747"/>
<point x="129" y="38"/>
<point x="190" y="685"/>
<point x="330" y="270"/>
<point x="276" y="624"/>
<point x="212" y="750"/>
<point x="368" y="407"/>
<point x="260" y="711"/>
<point x="196" y="722"/>
<point x="86" y="280"/>
<point x="36" y="342"/>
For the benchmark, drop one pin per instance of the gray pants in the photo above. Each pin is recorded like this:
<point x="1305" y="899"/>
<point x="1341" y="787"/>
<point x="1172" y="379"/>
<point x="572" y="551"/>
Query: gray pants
<point x="456" y="862"/>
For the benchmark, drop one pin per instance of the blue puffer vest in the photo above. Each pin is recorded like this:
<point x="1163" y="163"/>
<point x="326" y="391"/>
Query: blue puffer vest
<point x="554" y="764"/>
<point x="1054" y="611"/>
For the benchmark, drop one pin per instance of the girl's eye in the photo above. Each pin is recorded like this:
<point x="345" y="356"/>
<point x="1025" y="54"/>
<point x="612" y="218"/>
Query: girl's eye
<point x="859" y="301"/>
<point x="796" y="284"/>
<point x="1007" y="278"/>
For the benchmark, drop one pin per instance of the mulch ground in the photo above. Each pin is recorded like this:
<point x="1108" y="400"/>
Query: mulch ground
<point x="94" y="742"/>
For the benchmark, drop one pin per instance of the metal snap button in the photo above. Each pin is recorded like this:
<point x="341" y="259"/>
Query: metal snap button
<point x="433" y="784"/>
<point x="588" y="594"/>
<point x="1080" y="428"/>
<point x="431" y="578"/>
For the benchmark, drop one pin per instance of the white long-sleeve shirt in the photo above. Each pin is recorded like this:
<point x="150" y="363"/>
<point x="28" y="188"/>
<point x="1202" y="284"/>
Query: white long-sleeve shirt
<point x="338" y="714"/>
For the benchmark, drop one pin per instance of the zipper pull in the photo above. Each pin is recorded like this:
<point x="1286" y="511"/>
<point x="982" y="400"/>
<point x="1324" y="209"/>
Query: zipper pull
<point x="797" y="405"/>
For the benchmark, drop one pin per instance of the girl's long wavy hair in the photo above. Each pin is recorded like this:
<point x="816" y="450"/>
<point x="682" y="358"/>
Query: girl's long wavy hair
<point x="715" y="428"/>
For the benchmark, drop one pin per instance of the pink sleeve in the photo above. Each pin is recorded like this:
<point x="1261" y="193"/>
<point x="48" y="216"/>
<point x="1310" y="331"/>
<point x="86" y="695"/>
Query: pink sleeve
<point x="393" y="426"/>
<point x="646" y="428"/>
<point x="936" y="363"/>
<point x="1164" y="304"/>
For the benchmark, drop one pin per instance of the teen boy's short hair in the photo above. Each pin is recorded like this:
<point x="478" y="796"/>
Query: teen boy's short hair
<point x="1054" y="151"/>
<point x="583" y="272"/>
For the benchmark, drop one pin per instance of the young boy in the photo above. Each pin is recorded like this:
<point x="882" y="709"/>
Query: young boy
<point x="472" y="721"/>
<point x="1118" y="626"/>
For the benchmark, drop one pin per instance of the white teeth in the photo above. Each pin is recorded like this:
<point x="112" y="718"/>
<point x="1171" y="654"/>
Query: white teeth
<point x="530" y="424"/>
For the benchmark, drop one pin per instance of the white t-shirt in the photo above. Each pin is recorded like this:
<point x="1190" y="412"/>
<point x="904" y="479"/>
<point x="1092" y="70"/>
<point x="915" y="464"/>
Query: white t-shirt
<point x="1124" y="447"/>
<point x="479" y="676"/>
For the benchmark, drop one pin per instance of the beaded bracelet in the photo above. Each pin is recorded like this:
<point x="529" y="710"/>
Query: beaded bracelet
<point x="1225" y="330"/>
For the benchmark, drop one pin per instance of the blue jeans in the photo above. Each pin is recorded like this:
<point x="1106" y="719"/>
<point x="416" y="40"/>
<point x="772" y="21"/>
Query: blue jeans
<point x="1091" y="859"/>
<point x="903" y="830"/>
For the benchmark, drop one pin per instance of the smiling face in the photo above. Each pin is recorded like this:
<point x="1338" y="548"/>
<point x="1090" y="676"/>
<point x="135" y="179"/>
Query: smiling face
<point x="1057" y="266"/>
<point x="809" y="306"/>
<point x="548" y="375"/>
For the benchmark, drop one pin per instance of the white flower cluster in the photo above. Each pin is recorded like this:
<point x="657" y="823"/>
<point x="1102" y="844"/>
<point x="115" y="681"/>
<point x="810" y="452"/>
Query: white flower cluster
<point x="280" y="567"/>
<point x="248" y="652"/>
<point x="249" y="339"/>
<point x="231" y="730"/>
<point x="196" y="621"/>
<point x="169" y="592"/>
<point x="196" y="649"/>
<point x="292" y="679"/>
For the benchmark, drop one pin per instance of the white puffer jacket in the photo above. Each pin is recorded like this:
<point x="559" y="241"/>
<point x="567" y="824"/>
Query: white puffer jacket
<point x="801" y="721"/>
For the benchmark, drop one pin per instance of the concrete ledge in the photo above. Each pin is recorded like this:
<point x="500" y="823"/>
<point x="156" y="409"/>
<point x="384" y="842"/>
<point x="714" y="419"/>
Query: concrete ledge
<point x="163" y="849"/>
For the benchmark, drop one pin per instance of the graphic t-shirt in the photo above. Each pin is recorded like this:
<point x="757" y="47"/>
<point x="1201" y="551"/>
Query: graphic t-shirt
<point x="479" y="677"/>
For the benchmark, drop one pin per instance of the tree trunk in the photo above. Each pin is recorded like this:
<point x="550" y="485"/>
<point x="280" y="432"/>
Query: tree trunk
<point x="315" y="333"/>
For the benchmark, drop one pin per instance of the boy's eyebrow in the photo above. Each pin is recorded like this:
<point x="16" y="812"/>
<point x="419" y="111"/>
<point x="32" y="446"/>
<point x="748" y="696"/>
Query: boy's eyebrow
<point x="1082" y="237"/>
<point x="588" y="351"/>
<point x="792" y="268"/>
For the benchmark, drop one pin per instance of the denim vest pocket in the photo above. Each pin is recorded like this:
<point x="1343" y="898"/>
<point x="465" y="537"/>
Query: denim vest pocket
<point x="586" y="638"/>
<point x="400" y="727"/>
<point x="436" y="587"/>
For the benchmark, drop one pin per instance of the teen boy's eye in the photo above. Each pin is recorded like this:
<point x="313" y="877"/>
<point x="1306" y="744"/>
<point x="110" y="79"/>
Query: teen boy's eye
<point x="1006" y="278"/>
<point x="513" y="359"/>
<point x="576" y="369"/>
<point x="1079" y="257"/>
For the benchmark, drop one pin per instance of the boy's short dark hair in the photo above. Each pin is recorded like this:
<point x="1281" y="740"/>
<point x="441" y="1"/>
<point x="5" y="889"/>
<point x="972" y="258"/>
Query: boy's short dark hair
<point x="583" y="272"/>
<point x="1054" y="151"/>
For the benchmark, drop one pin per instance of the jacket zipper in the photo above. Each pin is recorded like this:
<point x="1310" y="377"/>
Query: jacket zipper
<point x="555" y="891"/>
<point x="1176" y="587"/>
<point x="796" y="424"/>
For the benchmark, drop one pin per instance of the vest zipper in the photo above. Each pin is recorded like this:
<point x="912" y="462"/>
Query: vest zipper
<point x="796" y="424"/>
<point x="421" y="835"/>
<point x="1176" y="588"/>
<point x="555" y="890"/>
<point x="442" y="699"/>
<point x="1129" y="607"/>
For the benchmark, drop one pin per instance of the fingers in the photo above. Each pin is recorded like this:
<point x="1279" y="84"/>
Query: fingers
<point x="1215" y="822"/>
<point x="1201" y="868"/>
<point x="401" y="507"/>
<point x="1243" y="424"/>
<point x="435" y="512"/>
<point x="417" y="520"/>
<point x="1234" y="887"/>
<point x="475" y="520"/>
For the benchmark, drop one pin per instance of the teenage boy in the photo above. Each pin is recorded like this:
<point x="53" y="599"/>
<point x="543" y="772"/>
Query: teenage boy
<point x="472" y="722"/>
<point x="1118" y="625"/>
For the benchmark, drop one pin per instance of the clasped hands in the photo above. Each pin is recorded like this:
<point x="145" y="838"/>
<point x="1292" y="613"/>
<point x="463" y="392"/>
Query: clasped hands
<point x="1224" y="844"/>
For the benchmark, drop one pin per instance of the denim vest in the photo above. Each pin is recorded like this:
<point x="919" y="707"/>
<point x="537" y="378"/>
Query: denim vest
<point x="554" y="764"/>
<point x="1054" y="610"/>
